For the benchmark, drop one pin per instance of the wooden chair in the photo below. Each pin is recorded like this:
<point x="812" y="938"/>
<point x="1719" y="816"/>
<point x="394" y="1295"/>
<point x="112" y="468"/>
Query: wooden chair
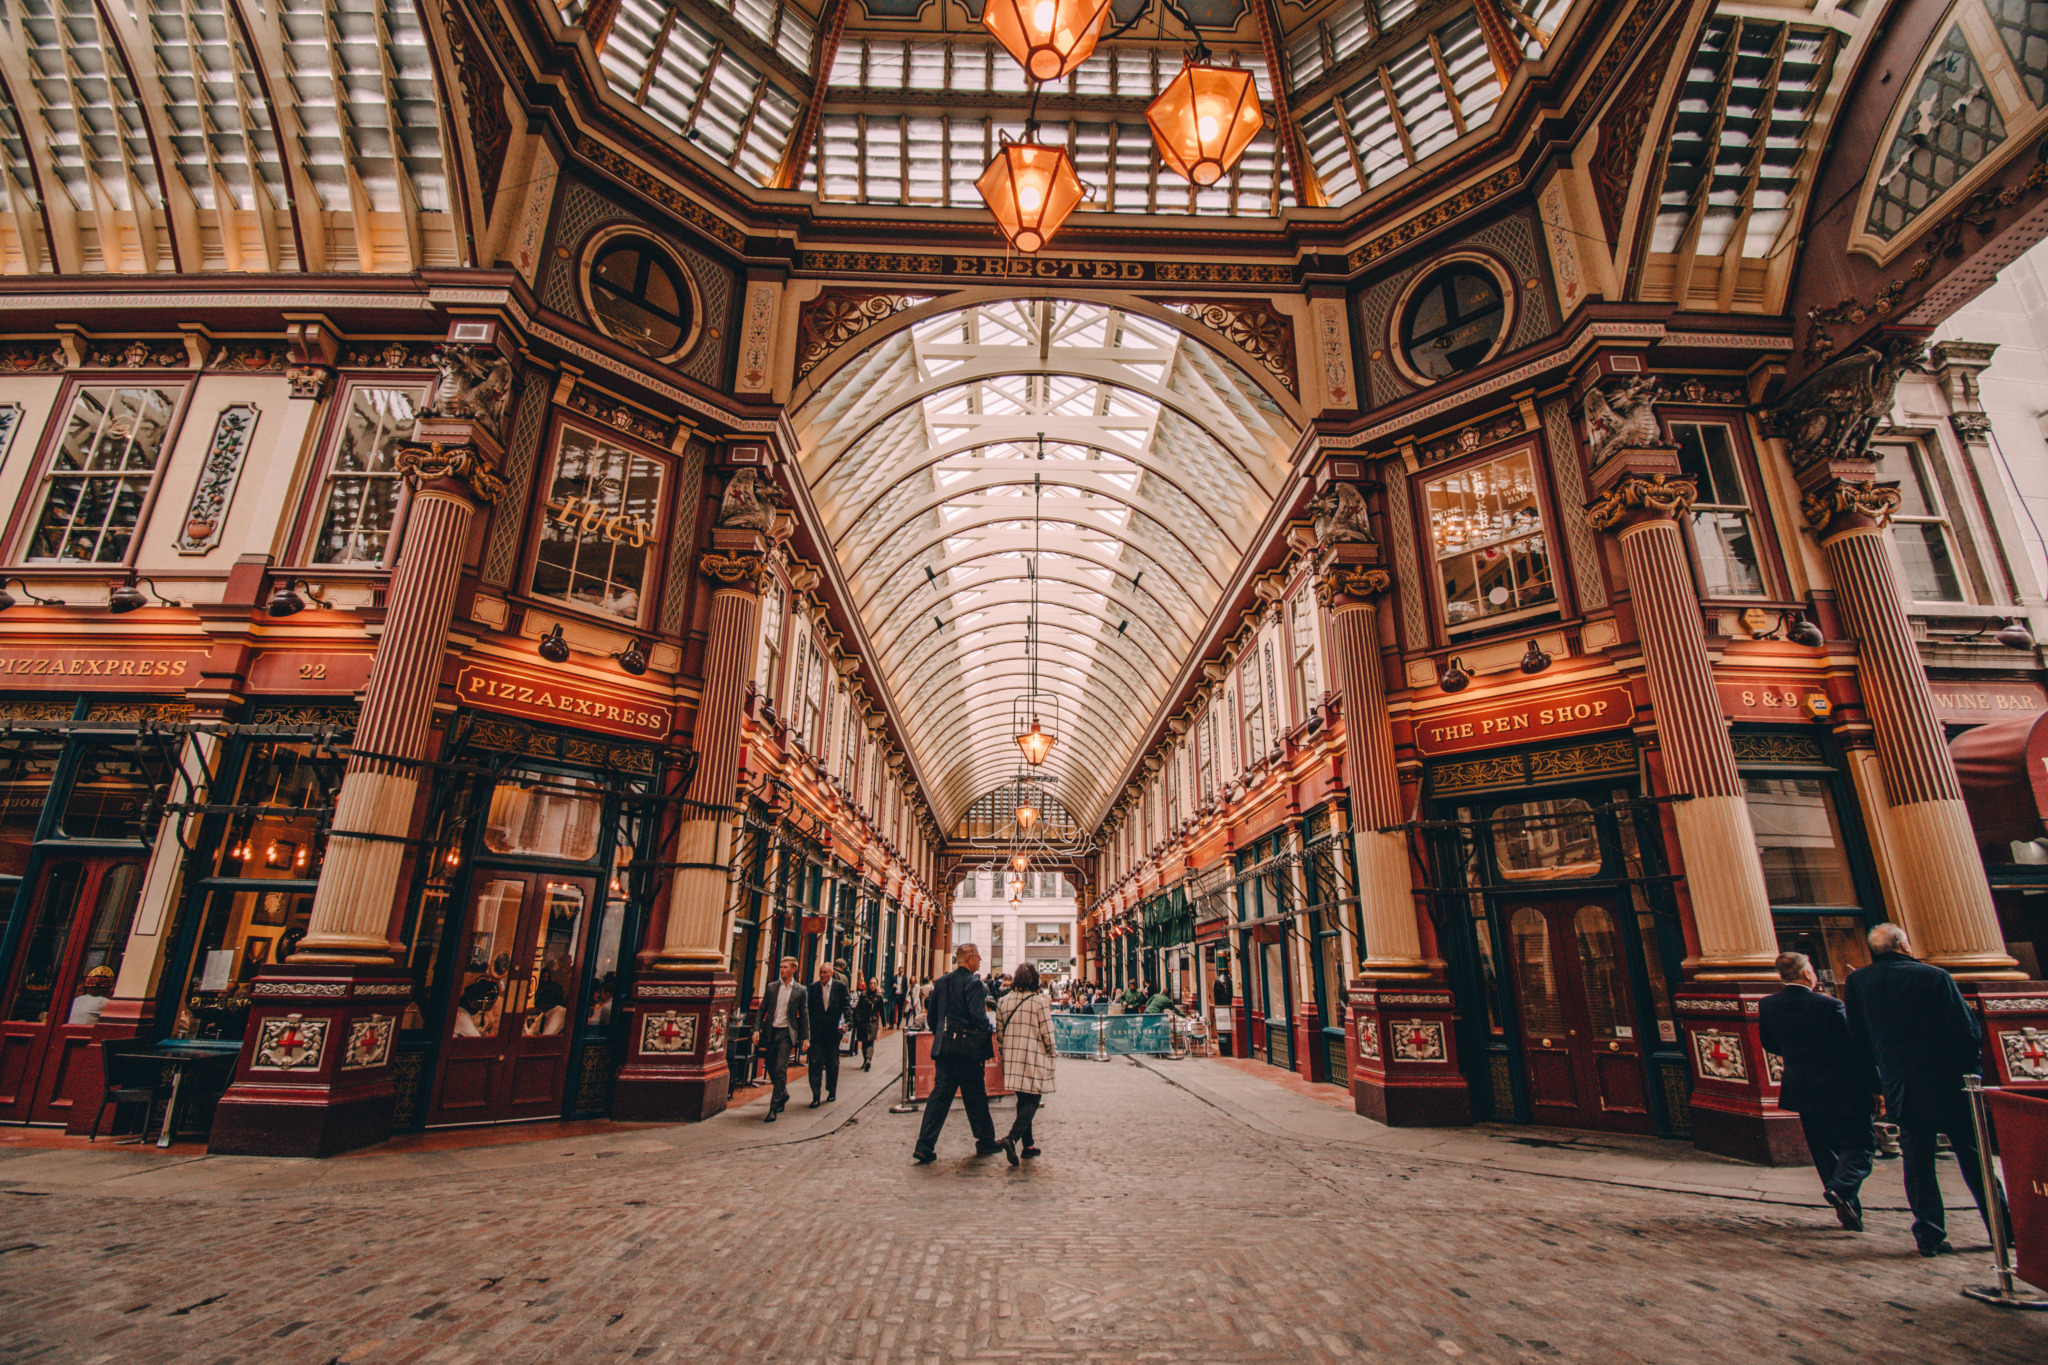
<point x="127" y="1078"/>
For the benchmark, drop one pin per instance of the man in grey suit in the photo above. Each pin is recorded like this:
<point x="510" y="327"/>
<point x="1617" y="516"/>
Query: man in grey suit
<point x="785" y="1025"/>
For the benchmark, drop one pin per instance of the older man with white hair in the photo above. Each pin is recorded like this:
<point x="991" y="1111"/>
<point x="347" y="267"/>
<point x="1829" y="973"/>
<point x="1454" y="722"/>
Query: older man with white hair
<point x="961" y="1046"/>
<point x="1913" y="1022"/>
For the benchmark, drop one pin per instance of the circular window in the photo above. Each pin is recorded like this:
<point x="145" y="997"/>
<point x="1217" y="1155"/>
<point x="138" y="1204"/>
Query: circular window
<point x="1453" y="320"/>
<point x="640" y="294"/>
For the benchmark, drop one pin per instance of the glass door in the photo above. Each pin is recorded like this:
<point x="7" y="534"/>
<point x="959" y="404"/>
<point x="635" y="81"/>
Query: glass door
<point x="505" y="1041"/>
<point x="1580" y="1053"/>
<point x="64" y="975"/>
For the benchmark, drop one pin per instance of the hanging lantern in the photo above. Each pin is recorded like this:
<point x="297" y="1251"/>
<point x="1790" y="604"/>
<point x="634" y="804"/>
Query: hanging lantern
<point x="1035" y="743"/>
<point x="1027" y="815"/>
<point x="1030" y="188"/>
<point x="1204" y="119"/>
<point x="1049" y="38"/>
<point x="1020" y="862"/>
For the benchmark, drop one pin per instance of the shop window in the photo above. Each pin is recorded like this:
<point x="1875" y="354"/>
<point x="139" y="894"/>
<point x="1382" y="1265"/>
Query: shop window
<point x="1835" y="944"/>
<point x="244" y="930"/>
<point x="1548" y="840"/>
<point x="111" y="787"/>
<point x="1454" y="321"/>
<point x="29" y="764"/>
<point x="491" y="958"/>
<point x="1486" y="526"/>
<point x="1921" y="534"/>
<point x="113" y="895"/>
<point x="292" y="786"/>
<point x="599" y="539"/>
<point x="359" y="505"/>
<point x="641" y="295"/>
<point x="1723" y="530"/>
<point x="1308" y="682"/>
<point x="101" y="474"/>
<point x="1799" y="836"/>
<point x="1604" y="972"/>
<point x="553" y="817"/>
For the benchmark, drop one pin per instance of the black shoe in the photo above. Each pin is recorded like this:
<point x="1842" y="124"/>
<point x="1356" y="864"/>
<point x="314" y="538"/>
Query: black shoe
<point x="1850" y="1216"/>
<point x="1938" y="1249"/>
<point x="1030" y="1151"/>
<point x="832" y="1098"/>
<point x="813" y="1104"/>
<point x="770" y="1118"/>
<point x="924" y="1158"/>
<point x="987" y="1148"/>
<point x="1010" y="1150"/>
<point x="863" y="1066"/>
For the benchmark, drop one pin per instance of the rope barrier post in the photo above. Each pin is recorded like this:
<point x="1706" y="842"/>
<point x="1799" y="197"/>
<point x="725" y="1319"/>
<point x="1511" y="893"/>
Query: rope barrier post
<point x="2006" y="1293"/>
<point x="1101" y="1038"/>
<point x="908" y="1104"/>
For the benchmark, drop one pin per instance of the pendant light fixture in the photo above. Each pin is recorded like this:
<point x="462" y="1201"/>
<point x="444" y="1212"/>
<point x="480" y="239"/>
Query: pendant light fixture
<point x="1049" y="38"/>
<point x="1030" y="187"/>
<point x="1030" y="713"/>
<point x="1205" y="118"/>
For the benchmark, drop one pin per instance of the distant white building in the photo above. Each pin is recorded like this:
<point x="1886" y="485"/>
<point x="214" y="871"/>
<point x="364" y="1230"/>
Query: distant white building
<point x="1017" y="917"/>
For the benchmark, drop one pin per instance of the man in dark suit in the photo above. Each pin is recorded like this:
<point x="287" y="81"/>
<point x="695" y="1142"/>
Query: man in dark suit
<point x="1913" y="1022"/>
<point x="959" y="998"/>
<point x="827" y="1008"/>
<point x="783" y="1028"/>
<point x="1828" y="1081"/>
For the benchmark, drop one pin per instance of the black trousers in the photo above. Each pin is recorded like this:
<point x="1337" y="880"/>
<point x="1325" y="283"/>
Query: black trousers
<point x="1844" y="1145"/>
<point x="778" y="1067"/>
<point x="825" y="1065"/>
<point x="967" y="1079"/>
<point x="1923" y="1186"/>
<point x="1027" y="1110"/>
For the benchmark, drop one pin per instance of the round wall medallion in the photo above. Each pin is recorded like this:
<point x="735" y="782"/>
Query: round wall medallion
<point x="637" y="291"/>
<point x="1453" y="317"/>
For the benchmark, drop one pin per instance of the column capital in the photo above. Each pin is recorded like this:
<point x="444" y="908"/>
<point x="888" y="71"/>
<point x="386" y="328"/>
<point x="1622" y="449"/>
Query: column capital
<point x="1834" y="506"/>
<point x="742" y="571"/>
<point x="1637" y="498"/>
<point x="464" y="465"/>
<point x="1341" y="584"/>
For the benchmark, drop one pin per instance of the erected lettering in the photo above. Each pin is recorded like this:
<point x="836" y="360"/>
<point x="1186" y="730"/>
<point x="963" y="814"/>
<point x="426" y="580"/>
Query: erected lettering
<point x="553" y="702"/>
<point x="1518" y="720"/>
<point x="109" y="671"/>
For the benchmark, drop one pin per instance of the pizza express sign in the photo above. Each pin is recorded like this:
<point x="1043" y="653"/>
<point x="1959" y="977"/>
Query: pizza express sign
<point x="556" y="701"/>
<point x="1523" y="719"/>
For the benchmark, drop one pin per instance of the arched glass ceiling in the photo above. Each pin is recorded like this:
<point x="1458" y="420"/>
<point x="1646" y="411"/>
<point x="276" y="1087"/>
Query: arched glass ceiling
<point x="1159" y="460"/>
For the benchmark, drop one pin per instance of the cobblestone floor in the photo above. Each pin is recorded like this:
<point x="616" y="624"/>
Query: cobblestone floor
<point x="1155" y="1228"/>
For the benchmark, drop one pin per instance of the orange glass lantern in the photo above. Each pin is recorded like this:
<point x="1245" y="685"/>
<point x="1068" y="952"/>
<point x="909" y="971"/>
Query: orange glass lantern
<point x="1030" y="188"/>
<point x="1035" y="743"/>
<point x="1027" y="816"/>
<point x="1049" y="38"/>
<point x="1204" y="119"/>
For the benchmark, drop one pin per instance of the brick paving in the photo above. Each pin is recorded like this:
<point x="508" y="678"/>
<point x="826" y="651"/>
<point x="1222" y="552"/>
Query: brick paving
<point x="1157" y="1227"/>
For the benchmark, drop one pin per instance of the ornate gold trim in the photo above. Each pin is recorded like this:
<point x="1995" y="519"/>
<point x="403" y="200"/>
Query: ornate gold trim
<point x="1862" y="503"/>
<point x="1345" y="580"/>
<point x="1637" y="498"/>
<point x="464" y="464"/>
<point x="737" y="571"/>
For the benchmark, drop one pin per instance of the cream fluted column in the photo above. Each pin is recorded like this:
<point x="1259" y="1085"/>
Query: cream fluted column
<point x="1348" y="589"/>
<point x="694" y="936"/>
<point x="1948" y="911"/>
<point x="351" y="915"/>
<point x="1724" y="875"/>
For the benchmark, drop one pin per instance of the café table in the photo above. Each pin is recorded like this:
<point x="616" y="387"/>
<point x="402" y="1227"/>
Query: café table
<point x="184" y="1059"/>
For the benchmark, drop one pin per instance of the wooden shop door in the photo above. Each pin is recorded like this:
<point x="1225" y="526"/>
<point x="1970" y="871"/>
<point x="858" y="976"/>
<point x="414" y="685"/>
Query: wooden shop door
<point x="505" y="1038"/>
<point x="79" y="920"/>
<point x="1580" y="1053"/>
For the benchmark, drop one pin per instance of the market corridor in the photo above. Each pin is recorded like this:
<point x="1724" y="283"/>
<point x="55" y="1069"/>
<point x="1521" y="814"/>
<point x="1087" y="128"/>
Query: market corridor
<point x="1175" y="1215"/>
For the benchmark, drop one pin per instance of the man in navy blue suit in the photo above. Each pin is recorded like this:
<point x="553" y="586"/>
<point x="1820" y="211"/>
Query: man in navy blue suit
<point x="1913" y="1022"/>
<point x="1828" y="1081"/>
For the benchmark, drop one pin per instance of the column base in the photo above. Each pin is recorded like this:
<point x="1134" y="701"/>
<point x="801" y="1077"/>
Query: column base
<point x="1309" y="1058"/>
<point x="314" y="1075"/>
<point x="2009" y="1012"/>
<point x="1403" y="1050"/>
<point x="675" y="1051"/>
<point x="1734" y="1108"/>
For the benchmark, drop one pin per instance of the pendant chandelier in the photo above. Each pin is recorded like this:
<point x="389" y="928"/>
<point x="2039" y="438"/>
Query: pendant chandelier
<point x="1205" y="118"/>
<point x="1035" y="715"/>
<point x="1030" y="188"/>
<point x="1049" y="38"/>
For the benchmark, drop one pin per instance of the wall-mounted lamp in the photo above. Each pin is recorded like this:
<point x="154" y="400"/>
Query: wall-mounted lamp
<point x="7" y="598"/>
<point x="2012" y="632"/>
<point x="1534" y="660"/>
<point x="285" y="601"/>
<point x="554" y="646"/>
<point x="1454" y="678"/>
<point x="126" y="596"/>
<point x="632" y="658"/>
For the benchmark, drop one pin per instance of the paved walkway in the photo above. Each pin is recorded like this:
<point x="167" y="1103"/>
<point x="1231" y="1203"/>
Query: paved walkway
<point x="1176" y="1216"/>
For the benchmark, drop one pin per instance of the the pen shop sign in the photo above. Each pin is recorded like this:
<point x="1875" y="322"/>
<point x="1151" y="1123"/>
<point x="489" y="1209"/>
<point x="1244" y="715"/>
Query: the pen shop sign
<point x="1525" y="719"/>
<point x="555" y="701"/>
<point x="64" y="668"/>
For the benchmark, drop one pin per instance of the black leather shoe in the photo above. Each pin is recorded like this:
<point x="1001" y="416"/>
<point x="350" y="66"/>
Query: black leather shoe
<point x="832" y="1098"/>
<point x="814" y="1103"/>
<point x="987" y="1148"/>
<point x="924" y="1158"/>
<point x="1010" y="1150"/>
<point x="1030" y="1151"/>
<point x="770" y="1118"/>
<point x="1845" y="1211"/>
<point x="1939" y="1249"/>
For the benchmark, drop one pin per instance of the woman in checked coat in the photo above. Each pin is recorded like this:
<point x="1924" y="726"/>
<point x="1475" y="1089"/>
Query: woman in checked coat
<point x="1024" y="1026"/>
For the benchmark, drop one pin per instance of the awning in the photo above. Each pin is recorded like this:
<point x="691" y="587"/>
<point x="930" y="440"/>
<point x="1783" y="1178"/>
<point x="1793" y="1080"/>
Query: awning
<point x="2004" y="771"/>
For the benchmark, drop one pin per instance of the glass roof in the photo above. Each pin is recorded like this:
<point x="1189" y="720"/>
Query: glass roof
<point x="1124" y="464"/>
<point x="914" y="97"/>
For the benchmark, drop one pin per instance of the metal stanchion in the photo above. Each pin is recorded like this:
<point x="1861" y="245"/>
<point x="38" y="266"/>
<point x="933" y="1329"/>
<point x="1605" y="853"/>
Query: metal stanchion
<point x="908" y="1104"/>
<point x="1101" y="1038"/>
<point x="2006" y="1293"/>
